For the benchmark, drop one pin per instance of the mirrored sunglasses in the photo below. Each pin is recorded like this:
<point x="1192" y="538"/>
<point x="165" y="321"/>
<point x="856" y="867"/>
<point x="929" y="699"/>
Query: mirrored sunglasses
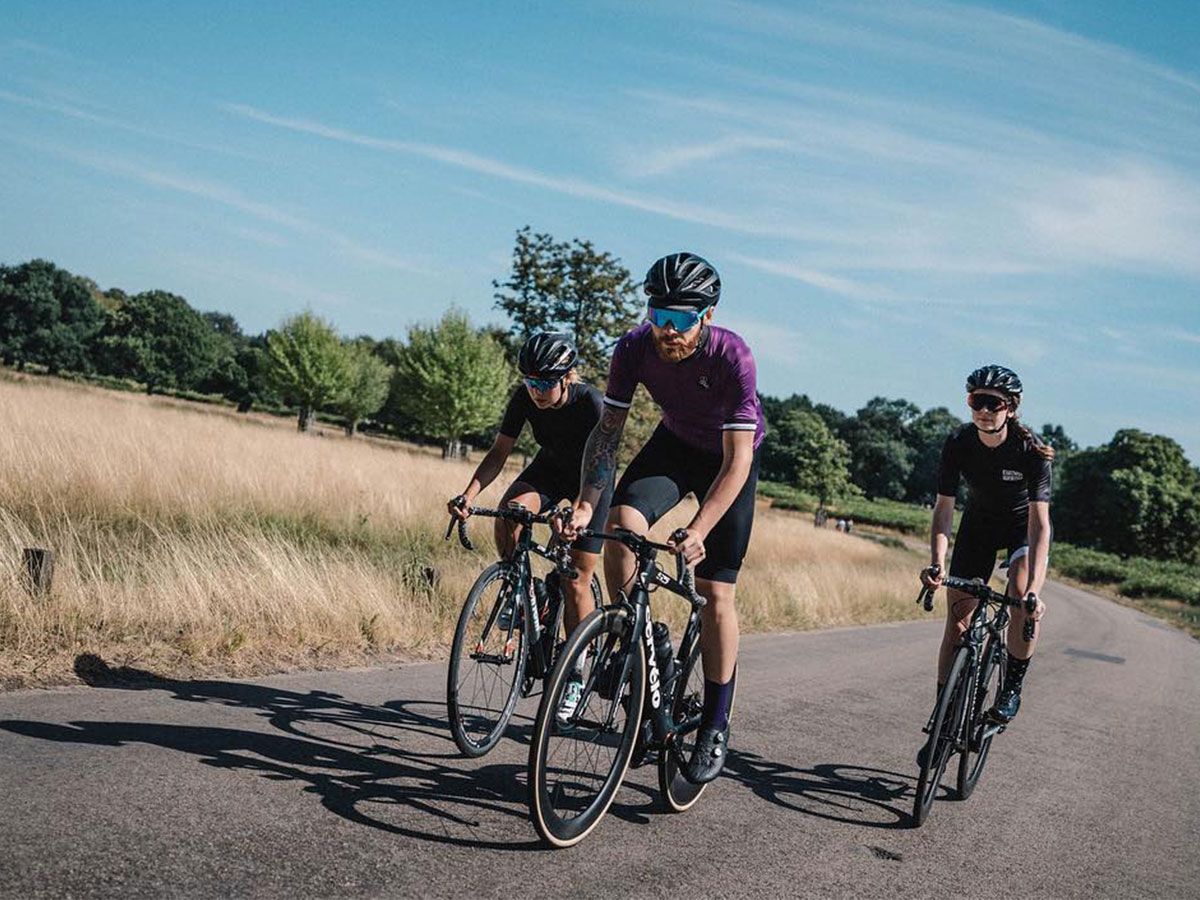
<point x="541" y="384"/>
<point x="679" y="319"/>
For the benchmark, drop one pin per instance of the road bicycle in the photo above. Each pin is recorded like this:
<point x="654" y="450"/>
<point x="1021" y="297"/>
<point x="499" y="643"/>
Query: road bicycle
<point x="507" y="633"/>
<point x="639" y="698"/>
<point x="959" y="722"/>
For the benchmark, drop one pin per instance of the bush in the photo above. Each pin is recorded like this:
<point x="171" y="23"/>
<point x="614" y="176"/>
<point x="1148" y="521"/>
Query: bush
<point x="903" y="517"/>
<point x="1133" y="577"/>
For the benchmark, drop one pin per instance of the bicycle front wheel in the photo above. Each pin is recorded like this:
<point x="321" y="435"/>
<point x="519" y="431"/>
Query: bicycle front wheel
<point x="987" y="688"/>
<point x="576" y="765"/>
<point x="487" y="665"/>
<point x="678" y="793"/>
<point x="942" y="735"/>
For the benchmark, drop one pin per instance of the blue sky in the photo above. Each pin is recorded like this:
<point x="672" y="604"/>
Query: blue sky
<point x="893" y="193"/>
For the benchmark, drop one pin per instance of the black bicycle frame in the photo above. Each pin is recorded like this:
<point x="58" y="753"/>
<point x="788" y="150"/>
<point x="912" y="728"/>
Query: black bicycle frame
<point x="518" y="575"/>
<point x="982" y="624"/>
<point x="650" y="577"/>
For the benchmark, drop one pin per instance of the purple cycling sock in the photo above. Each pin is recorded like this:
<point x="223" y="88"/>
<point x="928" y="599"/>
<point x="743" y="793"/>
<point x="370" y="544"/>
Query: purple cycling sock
<point x="717" y="700"/>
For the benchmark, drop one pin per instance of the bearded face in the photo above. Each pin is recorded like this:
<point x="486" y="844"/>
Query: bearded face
<point x="675" y="346"/>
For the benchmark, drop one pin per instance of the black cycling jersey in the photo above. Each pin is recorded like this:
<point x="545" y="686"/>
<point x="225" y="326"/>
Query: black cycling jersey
<point x="561" y="432"/>
<point x="1001" y="480"/>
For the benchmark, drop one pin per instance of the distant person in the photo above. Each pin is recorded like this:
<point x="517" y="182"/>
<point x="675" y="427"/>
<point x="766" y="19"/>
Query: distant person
<point x="1007" y="470"/>
<point x="841" y="524"/>
<point x="561" y="411"/>
<point x="849" y="525"/>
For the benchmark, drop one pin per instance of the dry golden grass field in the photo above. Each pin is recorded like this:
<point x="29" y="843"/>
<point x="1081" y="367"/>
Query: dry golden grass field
<point x="189" y="540"/>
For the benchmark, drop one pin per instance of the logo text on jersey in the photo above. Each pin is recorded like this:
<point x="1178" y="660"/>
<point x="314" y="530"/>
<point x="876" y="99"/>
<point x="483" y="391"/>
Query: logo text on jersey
<point x="1010" y="475"/>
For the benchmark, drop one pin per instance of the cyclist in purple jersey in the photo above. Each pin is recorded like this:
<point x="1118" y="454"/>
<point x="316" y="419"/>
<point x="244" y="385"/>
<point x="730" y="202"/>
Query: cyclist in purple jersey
<point x="707" y="443"/>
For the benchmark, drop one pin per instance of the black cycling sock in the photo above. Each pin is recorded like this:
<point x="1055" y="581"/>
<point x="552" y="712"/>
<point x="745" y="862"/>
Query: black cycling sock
<point x="1015" y="674"/>
<point x="717" y="700"/>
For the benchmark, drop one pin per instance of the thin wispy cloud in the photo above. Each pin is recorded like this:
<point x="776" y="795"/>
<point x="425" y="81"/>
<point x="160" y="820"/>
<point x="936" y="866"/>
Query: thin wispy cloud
<point x="572" y="187"/>
<point x="232" y="198"/>
<point x="673" y="159"/>
<point x="27" y="46"/>
<point x="821" y="280"/>
<point x="75" y="111"/>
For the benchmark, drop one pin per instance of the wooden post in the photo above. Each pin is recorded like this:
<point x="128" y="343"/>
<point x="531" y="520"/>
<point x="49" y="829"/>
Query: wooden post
<point x="39" y="570"/>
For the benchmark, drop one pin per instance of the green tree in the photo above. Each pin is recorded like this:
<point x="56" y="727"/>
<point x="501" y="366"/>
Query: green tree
<point x="306" y="363"/>
<point x="228" y="377"/>
<point x="925" y="436"/>
<point x="1056" y="437"/>
<point x="806" y="454"/>
<point x="1064" y="448"/>
<point x="367" y="388"/>
<point x="1136" y="496"/>
<point x="451" y="380"/>
<point x="158" y="339"/>
<point x="47" y="316"/>
<point x="881" y="459"/>
<point x="569" y="286"/>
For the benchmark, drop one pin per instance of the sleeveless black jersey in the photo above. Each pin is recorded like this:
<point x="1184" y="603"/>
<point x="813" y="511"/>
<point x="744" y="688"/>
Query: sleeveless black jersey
<point x="560" y="433"/>
<point x="1001" y="481"/>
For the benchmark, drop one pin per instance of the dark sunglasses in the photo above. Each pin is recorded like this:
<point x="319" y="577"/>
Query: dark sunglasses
<point x="542" y="384"/>
<point x="990" y="402"/>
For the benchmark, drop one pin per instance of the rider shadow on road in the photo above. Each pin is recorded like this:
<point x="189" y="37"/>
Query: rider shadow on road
<point x="350" y="755"/>
<point x="835" y="791"/>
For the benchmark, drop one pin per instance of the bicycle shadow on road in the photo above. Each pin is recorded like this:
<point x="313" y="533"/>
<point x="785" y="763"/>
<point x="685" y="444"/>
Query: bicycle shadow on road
<point x="350" y="755"/>
<point x="838" y="792"/>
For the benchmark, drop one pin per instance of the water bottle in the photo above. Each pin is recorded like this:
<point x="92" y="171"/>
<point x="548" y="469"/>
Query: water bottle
<point x="664" y="655"/>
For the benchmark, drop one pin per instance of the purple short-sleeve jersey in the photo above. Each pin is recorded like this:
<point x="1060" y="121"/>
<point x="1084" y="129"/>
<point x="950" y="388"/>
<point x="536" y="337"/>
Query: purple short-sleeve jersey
<point x="712" y="391"/>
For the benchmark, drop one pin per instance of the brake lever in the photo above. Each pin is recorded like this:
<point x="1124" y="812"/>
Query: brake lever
<point x="686" y="576"/>
<point x="462" y="535"/>
<point x="925" y="598"/>
<point x="1030" y="628"/>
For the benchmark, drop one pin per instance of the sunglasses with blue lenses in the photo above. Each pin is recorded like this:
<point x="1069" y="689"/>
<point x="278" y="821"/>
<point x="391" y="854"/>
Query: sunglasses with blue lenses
<point x="542" y="384"/>
<point x="679" y="319"/>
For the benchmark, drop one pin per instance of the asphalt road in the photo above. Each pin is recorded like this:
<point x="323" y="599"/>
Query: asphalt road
<point x="347" y="783"/>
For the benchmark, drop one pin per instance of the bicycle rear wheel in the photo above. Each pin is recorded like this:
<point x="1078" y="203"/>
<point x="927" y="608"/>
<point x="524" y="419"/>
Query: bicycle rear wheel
<point x="576" y="769"/>
<point x="987" y="688"/>
<point x="678" y="793"/>
<point x="487" y="665"/>
<point x="941" y="736"/>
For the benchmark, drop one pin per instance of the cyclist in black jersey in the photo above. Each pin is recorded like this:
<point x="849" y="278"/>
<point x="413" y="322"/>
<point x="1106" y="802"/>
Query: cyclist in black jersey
<point x="561" y="411"/>
<point x="1007" y="470"/>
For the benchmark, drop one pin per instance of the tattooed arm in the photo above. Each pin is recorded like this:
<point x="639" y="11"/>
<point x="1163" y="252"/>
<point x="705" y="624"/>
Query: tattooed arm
<point x="598" y="467"/>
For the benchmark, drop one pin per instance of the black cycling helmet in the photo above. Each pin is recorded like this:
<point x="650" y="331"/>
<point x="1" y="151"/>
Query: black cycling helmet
<point x="548" y="354"/>
<point x="683" y="279"/>
<point x="996" y="378"/>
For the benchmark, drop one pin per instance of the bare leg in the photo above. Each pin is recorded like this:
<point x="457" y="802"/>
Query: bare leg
<point x="718" y="630"/>
<point x="959" y="607"/>
<point x="577" y="594"/>
<point x="1017" y="645"/>
<point x="619" y="562"/>
<point x="506" y="532"/>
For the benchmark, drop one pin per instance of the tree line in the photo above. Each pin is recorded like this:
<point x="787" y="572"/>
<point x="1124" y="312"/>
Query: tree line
<point x="448" y="381"/>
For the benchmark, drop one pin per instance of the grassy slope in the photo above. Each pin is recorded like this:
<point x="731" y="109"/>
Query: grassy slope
<point x="190" y="539"/>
